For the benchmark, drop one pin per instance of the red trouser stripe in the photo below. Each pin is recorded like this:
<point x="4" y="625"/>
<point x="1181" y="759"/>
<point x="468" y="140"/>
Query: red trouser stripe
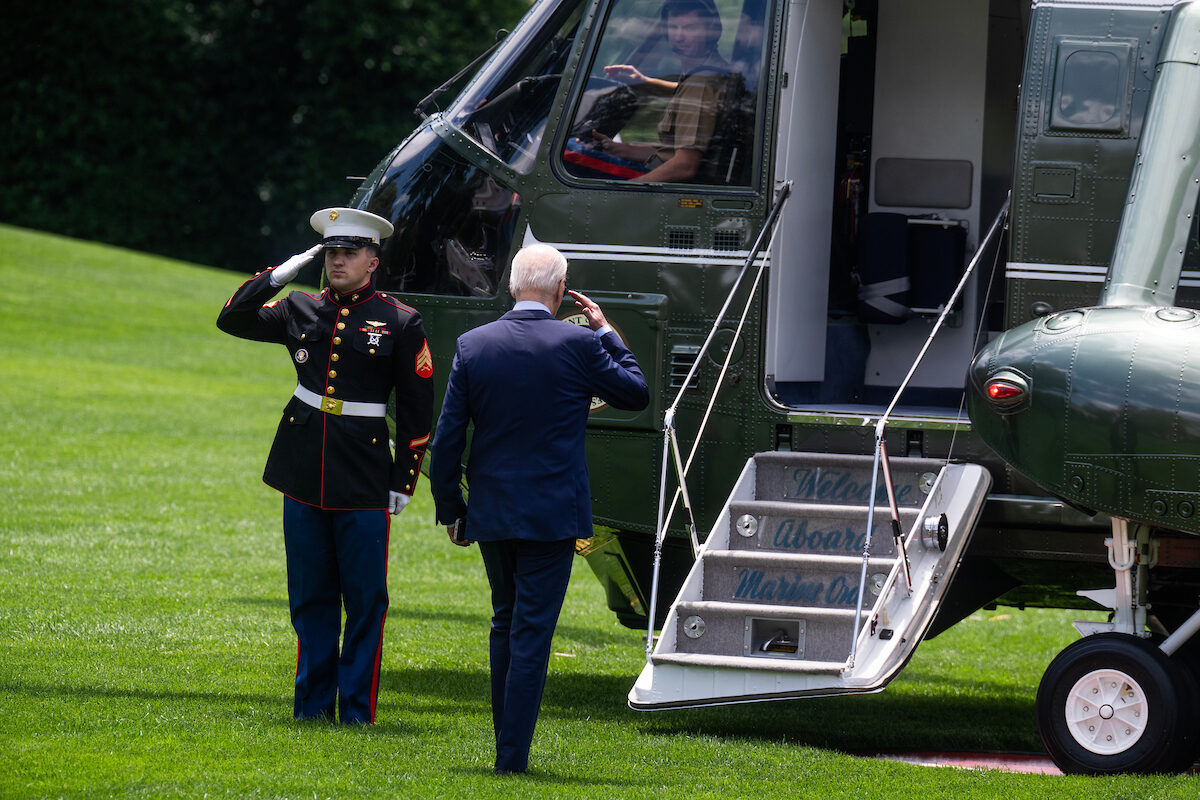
<point x="379" y="650"/>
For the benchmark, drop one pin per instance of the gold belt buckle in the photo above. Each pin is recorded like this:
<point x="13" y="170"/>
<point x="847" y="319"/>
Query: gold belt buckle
<point x="331" y="405"/>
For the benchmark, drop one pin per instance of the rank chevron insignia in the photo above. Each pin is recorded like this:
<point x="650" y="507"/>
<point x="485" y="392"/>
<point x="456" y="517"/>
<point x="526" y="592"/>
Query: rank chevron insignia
<point x="424" y="362"/>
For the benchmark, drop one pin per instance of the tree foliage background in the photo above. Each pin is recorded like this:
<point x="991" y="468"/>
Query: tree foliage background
<point x="211" y="130"/>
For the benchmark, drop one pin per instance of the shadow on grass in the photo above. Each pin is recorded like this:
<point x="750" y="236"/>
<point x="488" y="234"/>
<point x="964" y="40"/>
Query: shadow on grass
<point x="476" y="624"/>
<point x="67" y="690"/>
<point x="470" y="620"/>
<point x="216" y="702"/>
<point x="867" y="724"/>
<point x="885" y="722"/>
<point x="261" y="602"/>
<point x="541" y="776"/>
<point x="996" y="720"/>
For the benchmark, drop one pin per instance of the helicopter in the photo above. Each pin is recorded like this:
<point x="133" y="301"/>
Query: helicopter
<point x="914" y="287"/>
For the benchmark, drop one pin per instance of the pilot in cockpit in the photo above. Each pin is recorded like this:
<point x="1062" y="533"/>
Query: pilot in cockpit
<point x="688" y="125"/>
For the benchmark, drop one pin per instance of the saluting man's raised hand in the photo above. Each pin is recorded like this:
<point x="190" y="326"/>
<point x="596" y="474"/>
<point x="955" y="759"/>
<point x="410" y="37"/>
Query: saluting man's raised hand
<point x="595" y="316"/>
<point x="288" y="270"/>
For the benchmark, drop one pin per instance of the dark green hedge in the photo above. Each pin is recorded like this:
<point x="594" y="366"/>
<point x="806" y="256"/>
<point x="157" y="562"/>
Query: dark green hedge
<point x="209" y="131"/>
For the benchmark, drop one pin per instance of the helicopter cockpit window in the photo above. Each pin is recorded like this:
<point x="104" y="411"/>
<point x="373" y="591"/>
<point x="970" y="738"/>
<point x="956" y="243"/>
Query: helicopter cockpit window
<point x="506" y="107"/>
<point x="672" y="93"/>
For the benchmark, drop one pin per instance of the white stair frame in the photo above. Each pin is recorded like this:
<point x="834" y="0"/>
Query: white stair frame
<point x="678" y="680"/>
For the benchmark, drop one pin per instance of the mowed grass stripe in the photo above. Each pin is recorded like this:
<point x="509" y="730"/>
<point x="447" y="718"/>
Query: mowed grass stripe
<point x="145" y="649"/>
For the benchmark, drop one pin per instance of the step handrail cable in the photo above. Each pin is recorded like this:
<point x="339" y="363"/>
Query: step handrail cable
<point x="881" y="425"/>
<point x="670" y="447"/>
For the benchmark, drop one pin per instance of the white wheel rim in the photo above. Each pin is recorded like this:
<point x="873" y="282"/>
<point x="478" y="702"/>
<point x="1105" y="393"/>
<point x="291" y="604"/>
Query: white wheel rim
<point x="1106" y="712"/>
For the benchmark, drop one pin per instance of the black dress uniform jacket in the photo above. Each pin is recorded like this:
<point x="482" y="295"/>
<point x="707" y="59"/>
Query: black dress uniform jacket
<point x="354" y="347"/>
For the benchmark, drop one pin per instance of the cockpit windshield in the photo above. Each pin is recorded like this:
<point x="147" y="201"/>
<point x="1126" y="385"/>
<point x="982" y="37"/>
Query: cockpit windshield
<point x="454" y="222"/>
<point x="506" y="107"/>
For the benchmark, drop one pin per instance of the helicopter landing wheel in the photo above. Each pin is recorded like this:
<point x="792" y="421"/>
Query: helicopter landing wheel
<point x="1113" y="702"/>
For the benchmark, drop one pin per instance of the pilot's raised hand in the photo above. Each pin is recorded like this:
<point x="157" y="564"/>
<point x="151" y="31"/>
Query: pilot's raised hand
<point x="624" y="73"/>
<point x="288" y="270"/>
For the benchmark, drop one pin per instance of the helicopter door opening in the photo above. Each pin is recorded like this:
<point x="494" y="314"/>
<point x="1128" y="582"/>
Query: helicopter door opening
<point x="888" y="196"/>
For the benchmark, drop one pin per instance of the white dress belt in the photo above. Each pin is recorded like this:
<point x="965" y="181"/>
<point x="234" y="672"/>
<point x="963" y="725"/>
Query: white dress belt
<point x="339" y="408"/>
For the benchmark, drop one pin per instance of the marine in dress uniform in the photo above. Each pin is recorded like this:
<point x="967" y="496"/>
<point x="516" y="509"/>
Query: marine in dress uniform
<point x="352" y="347"/>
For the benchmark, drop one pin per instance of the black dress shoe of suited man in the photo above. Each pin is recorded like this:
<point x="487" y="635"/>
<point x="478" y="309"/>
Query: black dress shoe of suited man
<point x="510" y="771"/>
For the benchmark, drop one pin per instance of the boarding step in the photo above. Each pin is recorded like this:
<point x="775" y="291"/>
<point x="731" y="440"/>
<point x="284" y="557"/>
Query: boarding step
<point x="812" y="528"/>
<point x="768" y="610"/>
<point x="797" y="634"/>
<point x="829" y="668"/>
<point x="733" y="576"/>
<point x="840" y="479"/>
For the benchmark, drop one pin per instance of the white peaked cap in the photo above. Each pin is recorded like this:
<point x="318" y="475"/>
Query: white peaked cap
<point x="349" y="227"/>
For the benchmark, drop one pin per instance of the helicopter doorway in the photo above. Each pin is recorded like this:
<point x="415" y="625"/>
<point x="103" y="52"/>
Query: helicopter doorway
<point x="891" y="194"/>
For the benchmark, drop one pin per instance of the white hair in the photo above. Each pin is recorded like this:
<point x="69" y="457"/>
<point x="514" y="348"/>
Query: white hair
<point x="537" y="268"/>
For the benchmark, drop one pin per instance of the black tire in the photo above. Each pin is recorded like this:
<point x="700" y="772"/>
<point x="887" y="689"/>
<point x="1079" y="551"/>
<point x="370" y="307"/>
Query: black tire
<point x="1129" y="708"/>
<point x="1187" y="661"/>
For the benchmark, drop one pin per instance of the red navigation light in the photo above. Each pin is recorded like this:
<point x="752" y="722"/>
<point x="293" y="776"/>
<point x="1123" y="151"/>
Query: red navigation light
<point x="1007" y="391"/>
<point x="1004" y="390"/>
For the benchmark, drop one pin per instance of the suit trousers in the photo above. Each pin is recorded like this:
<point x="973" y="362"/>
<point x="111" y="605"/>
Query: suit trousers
<point x="336" y="558"/>
<point x="529" y="581"/>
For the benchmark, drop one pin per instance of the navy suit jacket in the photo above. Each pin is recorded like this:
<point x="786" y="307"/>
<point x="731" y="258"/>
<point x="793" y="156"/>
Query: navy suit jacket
<point x="526" y="382"/>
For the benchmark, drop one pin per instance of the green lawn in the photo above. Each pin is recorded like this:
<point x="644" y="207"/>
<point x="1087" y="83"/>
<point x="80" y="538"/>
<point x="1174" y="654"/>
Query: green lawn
<point x="145" y="649"/>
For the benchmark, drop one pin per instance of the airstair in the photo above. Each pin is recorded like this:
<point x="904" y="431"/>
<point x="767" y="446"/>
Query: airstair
<point x="823" y="572"/>
<point x="769" y="608"/>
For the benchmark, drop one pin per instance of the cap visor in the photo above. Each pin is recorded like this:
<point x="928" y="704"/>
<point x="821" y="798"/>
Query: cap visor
<point x="350" y="242"/>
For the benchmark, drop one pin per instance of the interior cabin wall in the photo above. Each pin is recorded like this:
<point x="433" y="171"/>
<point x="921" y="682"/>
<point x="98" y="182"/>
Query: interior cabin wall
<point x="1007" y="24"/>
<point x="1007" y="29"/>
<point x="930" y="90"/>
<point x="796" y="306"/>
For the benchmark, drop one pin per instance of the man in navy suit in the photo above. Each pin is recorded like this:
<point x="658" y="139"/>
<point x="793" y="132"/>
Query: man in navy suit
<point x="526" y="382"/>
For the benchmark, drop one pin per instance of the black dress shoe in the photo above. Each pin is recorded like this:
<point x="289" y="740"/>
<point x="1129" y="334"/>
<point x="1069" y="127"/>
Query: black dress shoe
<point x="509" y="771"/>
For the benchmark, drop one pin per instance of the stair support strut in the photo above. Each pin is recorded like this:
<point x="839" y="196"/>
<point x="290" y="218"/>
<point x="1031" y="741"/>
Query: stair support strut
<point x="881" y="427"/>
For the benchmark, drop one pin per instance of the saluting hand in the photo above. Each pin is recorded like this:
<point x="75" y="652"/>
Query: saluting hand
<point x="595" y="316"/>
<point x="288" y="270"/>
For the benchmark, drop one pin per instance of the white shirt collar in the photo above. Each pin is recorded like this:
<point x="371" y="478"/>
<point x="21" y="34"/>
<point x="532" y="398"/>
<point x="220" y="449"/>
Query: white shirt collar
<point x="526" y="305"/>
<point x="523" y="305"/>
